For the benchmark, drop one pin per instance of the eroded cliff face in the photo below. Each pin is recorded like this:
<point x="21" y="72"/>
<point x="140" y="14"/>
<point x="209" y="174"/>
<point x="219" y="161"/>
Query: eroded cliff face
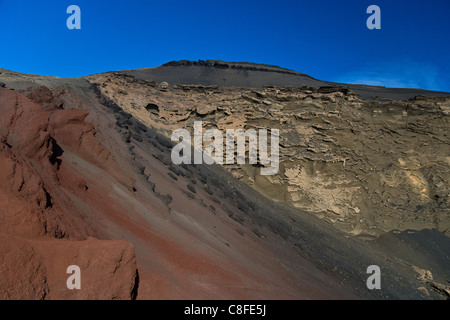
<point x="78" y="188"/>
<point x="87" y="179"/>
<point x="41" y="231"/>
<point x="366" y="166"/>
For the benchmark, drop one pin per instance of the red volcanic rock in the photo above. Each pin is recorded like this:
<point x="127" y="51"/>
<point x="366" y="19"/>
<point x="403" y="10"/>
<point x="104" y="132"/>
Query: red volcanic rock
<point x="107" y="268"/>
<point x="44" y="97"/>
<point x="71" y="131"/>
<point x="23" y="275"/>
<point x="25" y="148"/>
<point x="28" y="174"/>
<point x="36" y="270"/>
<point x="22" y="196"/>
<point x="29" y="167"/>
<point x="24" y="125"/>
<point x="38" y="206"/>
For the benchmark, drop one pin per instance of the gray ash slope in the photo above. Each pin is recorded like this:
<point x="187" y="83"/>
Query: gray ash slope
<point x="251" y="75"/>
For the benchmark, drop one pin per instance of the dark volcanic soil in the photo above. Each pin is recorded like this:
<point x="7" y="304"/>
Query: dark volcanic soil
<point x="84" y="182"/>
<point x="250" y="75"/>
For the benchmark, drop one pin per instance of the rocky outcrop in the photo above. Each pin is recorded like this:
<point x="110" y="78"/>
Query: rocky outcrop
<point x="24" y="275"/>
<point x="427" y="278"/>
<point x="252" y="75"/>
<point x="36" y="209"/>
<point x="365" y="166"/>
<point x="29" y="169"/>
<point x="108" y="269"/>
<point x="72" y="131"/>
<point x="198" y="232"/>
<point x="37" y="269"/>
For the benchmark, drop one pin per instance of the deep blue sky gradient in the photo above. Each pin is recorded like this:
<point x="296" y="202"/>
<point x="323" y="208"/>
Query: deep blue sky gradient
<point x="328" y="40"/>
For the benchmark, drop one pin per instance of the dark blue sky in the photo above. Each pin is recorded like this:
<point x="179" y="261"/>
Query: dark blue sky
<point x="328" y="40"/>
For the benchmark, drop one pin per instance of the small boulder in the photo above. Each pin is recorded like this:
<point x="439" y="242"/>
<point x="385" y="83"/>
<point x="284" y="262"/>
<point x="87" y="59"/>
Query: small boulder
<point x="205" y="110"/>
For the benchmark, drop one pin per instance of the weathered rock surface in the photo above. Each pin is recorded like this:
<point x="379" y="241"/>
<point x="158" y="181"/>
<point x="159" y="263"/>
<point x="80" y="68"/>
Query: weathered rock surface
<point x="108" y="268"/>
<point x="36" y="210"/>
<point x="366" y="166"/>
<point x="24" y="275"/>
<point x="196" y="231"/>
<point x="36" y="269"/>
